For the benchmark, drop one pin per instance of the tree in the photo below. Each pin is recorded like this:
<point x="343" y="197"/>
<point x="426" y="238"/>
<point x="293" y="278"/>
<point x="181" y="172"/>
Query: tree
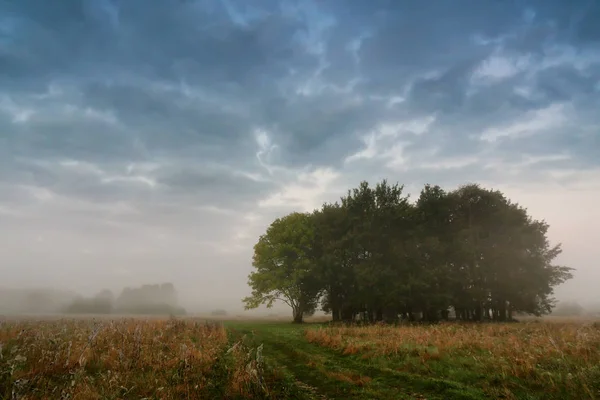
<point x="433" y="277"/>
<point x="106" y="295"/>
<point x="335" y="262"/>
<point x="149" y="299"/>
<point x="285" y="259"/>
<point x="374" y="253"/>
<point x="381" y="226"/>
<point x="502" y="257"/>
<point x="363" y="242"/>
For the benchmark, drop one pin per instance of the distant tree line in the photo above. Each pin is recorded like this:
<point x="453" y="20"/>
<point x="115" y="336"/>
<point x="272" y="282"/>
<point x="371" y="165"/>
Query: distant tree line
<point x="147" y="299"/>
<point x="469" y="254"/>
<point x="219" y="312"/>
<point x="34" y="300"/>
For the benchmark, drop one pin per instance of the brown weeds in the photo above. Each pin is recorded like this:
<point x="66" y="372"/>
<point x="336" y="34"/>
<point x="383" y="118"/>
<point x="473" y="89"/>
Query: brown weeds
<point x="553" y="355"/>
<point x="89" y="359"/>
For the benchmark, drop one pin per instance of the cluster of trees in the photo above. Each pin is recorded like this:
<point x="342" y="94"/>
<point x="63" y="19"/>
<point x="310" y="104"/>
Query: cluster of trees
<point x="470" y="254"/>
<point x="102" y="303"/>
<point x="147" y="299"/>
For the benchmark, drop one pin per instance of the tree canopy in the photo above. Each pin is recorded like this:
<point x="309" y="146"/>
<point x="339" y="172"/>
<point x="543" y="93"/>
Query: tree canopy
<point x="285" y="258"/>
<point x="469" y="253"/>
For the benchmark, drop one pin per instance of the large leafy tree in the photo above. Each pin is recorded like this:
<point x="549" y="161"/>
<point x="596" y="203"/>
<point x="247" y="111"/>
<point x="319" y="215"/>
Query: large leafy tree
<point x="502" y="257"/>
<point x="363" y="244"/>
<point x="432" y="269"/>
<point x="285" y="259"/>
<point x="382" y="227"/>
<point x="336" y="263"/>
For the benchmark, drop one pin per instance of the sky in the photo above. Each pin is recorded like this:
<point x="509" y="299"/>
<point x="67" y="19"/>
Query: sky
<point x="147" y="141"/>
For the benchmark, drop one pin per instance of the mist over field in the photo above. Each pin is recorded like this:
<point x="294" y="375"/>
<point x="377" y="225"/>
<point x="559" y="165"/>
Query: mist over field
<point x="143" y="145"/>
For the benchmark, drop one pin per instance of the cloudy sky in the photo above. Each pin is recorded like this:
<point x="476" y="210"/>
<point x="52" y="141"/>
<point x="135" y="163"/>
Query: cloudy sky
<point x="148" y="141"/>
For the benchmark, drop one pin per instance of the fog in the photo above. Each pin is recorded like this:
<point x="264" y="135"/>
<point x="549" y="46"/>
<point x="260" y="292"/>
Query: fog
<point x="133" y="157"/>
<point x="571" y="214"/>
<point x="206" y="281"/>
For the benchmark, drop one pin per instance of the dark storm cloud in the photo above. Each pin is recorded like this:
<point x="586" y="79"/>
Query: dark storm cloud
<point x="212" y="186"/>
<point x="564" y="83"/>
<point x="261" y="55"/>
<point x="406" y="39"/>
<point x="161" y="39"/>
<point x="444" y="94"/>
<point x="169" y="121"/>
<point x="319" y="129"/>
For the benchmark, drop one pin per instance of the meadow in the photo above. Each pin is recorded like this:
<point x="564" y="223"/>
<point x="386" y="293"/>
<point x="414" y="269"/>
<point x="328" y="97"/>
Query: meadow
<point x="195" y="359"/>
<point x="126" y="358"/>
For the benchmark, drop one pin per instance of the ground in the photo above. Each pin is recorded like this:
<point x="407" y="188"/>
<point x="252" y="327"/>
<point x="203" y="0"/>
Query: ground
<point x="189" y="358"/>
<point x="525" y="361"/>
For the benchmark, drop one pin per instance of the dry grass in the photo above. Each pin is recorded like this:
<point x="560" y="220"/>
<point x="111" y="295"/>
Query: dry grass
<point x="355" y="379"/>
<point x="126" y="358"/>
<point x="560" y="356"/>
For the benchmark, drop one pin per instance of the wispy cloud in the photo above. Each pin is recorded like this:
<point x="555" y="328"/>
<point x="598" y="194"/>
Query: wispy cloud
<point x="532" y="122"/>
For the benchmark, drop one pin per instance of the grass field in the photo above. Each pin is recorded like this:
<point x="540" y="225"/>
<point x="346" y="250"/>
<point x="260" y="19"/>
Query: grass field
<point x="126" y="358"/>
<point x="190" y="359"/>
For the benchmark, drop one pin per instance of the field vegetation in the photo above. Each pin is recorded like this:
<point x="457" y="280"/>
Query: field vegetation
<point x="529" y="360"/>
<point x="191" y="359"/>
<point x="126" y="358"/>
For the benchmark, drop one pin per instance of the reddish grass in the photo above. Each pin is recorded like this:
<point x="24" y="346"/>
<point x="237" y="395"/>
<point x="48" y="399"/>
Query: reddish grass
<point x="86" y="359"/>
<point x="553" y="354"/>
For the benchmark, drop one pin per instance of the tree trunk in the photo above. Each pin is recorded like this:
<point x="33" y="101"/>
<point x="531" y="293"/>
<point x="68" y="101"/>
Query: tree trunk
<point x="430" y="315"/>
<point x="445" y="314"/>
<point x="502" y="311"/>
<point x="347" y="314"/>
<point x="298" y="316"/>
<point x="411" y="316"/>
<point x="390" y="315"/>
<point x="479" y="313"/>
<point x="335" y="314"/>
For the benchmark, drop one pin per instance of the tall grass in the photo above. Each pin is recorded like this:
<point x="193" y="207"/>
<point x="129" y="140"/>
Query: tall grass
<point x="86" y="359"/>
<point x="559" y="357"/>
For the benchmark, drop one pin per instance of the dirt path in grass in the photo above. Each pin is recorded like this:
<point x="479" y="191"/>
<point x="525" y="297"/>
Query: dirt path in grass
<point x="322" y="373"/>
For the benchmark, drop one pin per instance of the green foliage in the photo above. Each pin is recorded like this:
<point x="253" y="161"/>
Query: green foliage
<point x="285" y="259"/>
<point x="375" y="254"/>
